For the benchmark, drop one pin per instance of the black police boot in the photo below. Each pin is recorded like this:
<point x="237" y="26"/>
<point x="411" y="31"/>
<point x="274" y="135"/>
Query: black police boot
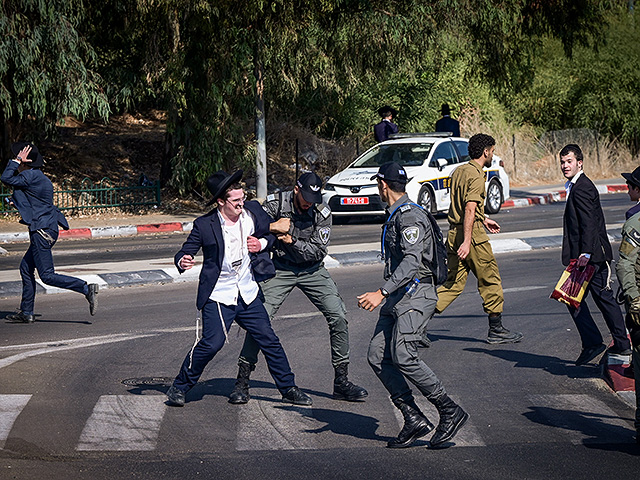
<point x="240" y="393"/>
<point x="343" y="389"/>
<point x="499" y="334"/>
<point x="415" y="426"/>
<point x="452" y="418"/>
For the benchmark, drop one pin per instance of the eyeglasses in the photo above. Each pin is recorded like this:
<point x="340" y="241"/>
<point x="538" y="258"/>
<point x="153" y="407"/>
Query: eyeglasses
<point x="236" y="201"/>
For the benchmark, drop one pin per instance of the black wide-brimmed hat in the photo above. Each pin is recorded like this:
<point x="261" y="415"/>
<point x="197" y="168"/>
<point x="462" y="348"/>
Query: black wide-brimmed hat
<point x="445" y="109"/>
<point x="384" y="111"/>
<point x="633" y="177"/>
<point x="34" y="155"/>
<point x="220" y="181"/>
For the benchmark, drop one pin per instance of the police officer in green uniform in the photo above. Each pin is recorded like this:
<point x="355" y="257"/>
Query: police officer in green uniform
<point x="408" y="250"/>
<point x="468" y="247"/>
<point x="628" y="272"/>
<point x="303" y="229"/>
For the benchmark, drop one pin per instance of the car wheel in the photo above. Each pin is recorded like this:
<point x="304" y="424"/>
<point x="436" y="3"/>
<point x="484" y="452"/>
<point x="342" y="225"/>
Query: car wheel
<point x="494" y="197"/>
<point x="426" y="200"/>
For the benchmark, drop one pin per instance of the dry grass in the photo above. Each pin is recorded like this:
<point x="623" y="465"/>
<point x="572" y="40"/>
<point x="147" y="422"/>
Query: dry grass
<point x="532" y="159"/>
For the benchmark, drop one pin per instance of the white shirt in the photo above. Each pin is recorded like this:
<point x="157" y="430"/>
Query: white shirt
<point x="572" y="182"/>
<point x="236" y="277"/>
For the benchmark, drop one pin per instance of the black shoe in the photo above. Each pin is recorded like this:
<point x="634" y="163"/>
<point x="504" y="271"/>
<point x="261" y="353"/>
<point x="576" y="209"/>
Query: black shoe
<point x="175" y="397"/>
<point x="296" y="396"/>
<point x="240" y="394"/>
<point x="415" y="425"/>
<point x="589" y="354"/>
<point x="92" y="298"/>
<point x="619" y="351"/>
<point x="502" y="335"/>
<point x="343" y="389"/>
<point x="449" y="426"/>
<point x="20" y="317"/>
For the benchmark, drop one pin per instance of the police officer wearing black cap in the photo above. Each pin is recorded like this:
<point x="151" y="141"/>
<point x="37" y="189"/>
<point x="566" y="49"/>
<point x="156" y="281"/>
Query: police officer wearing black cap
<point x="408" y="246"/>
<point x="33" y="197"/>
<point x="303" y="229"/>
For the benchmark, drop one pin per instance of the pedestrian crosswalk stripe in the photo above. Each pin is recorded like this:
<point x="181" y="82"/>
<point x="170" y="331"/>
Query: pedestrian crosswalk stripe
<point x="273" y="425"/>
<point x="10" y="408"/>
<point x="123" y="423"/>
<point x="582" y="418"/>
<point x="467" y="436"/>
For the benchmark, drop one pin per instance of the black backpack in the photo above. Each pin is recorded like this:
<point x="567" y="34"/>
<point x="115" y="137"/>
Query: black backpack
<point x="439" y="266"/>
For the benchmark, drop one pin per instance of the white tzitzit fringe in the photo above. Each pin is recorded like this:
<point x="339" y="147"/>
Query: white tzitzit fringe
<point x="198" y="337"/>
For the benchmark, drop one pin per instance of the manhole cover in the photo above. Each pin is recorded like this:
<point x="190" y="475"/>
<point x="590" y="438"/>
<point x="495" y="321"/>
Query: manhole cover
<point x="139" y="382"/>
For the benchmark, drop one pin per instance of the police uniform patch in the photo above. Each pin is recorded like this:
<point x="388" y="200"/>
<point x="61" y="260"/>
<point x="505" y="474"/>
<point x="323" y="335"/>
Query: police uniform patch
<point x="271" y="198"/>
<point x="405" y="208"/>
<point x="325" y="211"/>
<point x="411" y="234"/>
<point x="634" y="237"/>
<point x="324" y="233"/>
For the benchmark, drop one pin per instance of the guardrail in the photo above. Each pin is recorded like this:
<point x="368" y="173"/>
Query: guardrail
<point x="92" y="196"/>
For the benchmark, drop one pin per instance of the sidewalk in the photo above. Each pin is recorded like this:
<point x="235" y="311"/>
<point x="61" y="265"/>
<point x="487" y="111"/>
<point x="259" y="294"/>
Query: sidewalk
<point x="120" y="274"/>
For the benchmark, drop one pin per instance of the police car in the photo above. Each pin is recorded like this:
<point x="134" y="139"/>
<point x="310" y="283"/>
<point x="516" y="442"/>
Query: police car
<point x="429" y="160"/>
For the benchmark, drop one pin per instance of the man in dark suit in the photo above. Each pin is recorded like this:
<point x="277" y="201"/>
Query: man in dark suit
<point x="386" y="127"/>
<point x="585" y="238"/>
<point x="33" y="197"/>
<point x="233" y="238"/>
<point x="446" y="123"/>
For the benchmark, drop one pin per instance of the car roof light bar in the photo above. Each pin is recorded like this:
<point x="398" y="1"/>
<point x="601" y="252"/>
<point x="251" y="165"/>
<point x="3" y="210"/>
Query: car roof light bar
<point x="428" y="134"/>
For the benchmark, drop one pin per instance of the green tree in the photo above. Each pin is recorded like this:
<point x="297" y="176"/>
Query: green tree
<point x="45" y="68"/>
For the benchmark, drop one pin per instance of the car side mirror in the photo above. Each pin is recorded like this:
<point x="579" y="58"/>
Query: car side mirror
<point x="441" y="163"/>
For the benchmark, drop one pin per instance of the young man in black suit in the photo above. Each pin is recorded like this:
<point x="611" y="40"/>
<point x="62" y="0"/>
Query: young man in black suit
<point x="585" y="238"/>
<point x="33" y="197"/>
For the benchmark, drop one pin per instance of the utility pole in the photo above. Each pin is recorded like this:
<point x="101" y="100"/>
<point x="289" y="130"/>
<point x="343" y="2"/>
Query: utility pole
<point x="261" y="142"/>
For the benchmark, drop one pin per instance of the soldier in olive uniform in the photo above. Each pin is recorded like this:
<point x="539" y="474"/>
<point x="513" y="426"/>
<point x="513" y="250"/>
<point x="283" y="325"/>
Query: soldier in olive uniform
<point x="303" y="229"/>
<point x="408" y="249"/>
<point x="628" y="271"/>
<point x="468" y="247"/>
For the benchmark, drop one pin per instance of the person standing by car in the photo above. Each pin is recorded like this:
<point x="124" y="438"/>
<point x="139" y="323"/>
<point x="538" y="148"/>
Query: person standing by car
<point x="233" y="238"/>
<point x="386" y="127"/>
<point x="33" y="197"/>
<point x="446" y="123"/>
<point x="628" y="272"/>
<point x="408" y="250"/>
<point x="468" y="247"/>
<point x="584" y="237"/>
<point x="303" y="225"/>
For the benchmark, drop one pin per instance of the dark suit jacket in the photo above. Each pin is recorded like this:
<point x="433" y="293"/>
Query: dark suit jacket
<point x="382" y="130"/>
<point x="33" y="197"/>
<point x="583" y="224"/>
<point x="207" y="234"/>
<point x="448" y="124"/>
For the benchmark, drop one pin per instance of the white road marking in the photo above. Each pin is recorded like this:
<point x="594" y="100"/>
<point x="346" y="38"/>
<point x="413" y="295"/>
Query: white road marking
<point x="582" y="418"/>
<point x="274" y="425"/>
<point x="526" y="289"/>
<point x="10" y="408"/>
<point x="123" y="423"/>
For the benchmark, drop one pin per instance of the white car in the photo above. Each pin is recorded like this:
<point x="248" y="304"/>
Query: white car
<point x="429" y="160"/>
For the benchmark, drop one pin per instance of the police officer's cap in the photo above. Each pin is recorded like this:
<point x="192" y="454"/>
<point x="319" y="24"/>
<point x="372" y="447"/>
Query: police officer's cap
<point x="310" y="185"/>
<point x="34" y="155"/>
<point x="391" y="172"/>
<point x="633" y="177"/>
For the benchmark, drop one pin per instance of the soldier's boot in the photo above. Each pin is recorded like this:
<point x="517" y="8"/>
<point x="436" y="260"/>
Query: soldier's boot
<point x="240" y="393"/>
<point x="499" y="334"/>
<point x="452" y="418"/>
<point x="343" y="389"/>
<point x="415" y="426"/>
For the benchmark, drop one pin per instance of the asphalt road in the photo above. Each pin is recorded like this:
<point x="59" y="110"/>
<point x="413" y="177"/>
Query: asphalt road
<point x="88" y="398"/>
<point x="363" y="230"/>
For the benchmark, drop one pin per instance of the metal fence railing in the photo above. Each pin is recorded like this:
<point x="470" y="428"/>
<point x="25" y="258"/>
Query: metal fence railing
<point x="90" y="196"/>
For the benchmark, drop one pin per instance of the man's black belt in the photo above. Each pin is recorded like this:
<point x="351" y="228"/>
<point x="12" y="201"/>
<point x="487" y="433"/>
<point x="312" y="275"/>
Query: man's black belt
<point x="297" y="265"/>
<point x="428" y="279"/>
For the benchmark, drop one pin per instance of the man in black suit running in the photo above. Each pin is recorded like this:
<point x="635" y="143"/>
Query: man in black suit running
<point x="585" y="238"/>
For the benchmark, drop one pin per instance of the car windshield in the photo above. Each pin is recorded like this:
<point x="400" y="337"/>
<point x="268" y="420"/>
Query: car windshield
<point x="407" y="155"/>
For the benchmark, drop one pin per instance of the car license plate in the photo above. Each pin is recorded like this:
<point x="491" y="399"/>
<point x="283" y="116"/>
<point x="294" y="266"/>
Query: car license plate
<point x="354" y="201"/>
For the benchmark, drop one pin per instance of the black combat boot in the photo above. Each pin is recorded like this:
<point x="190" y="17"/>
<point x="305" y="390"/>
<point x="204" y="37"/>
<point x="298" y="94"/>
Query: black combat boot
<point x="240" y="392"/>
<point x="343" y="389"/>
<point x="452" y="418"/>
<point x="415" y="426"/>
<point x="499" y="334"/>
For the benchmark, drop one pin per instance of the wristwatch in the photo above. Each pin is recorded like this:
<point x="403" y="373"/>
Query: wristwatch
<point x="384" y="293"/>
